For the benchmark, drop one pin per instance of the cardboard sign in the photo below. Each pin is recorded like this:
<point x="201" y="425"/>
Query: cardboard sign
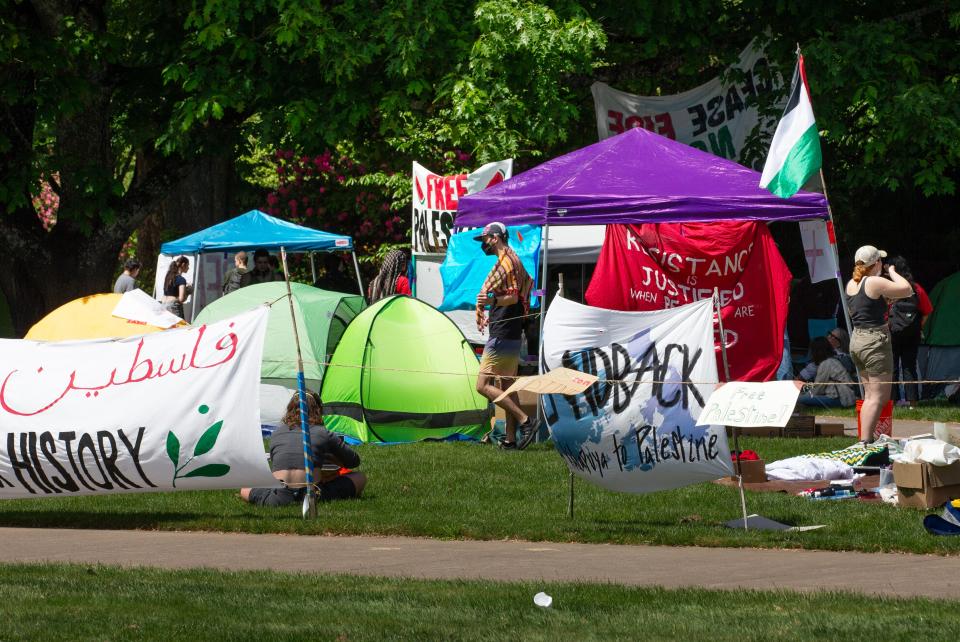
<point x="634" y="429"/>
<point x="175" y="410"/>
<point x="744" y="403"/>
<point x="562" y="381"/>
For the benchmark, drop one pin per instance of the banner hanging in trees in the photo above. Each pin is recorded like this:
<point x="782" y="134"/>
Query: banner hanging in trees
<point x="634" y="430"/>
<point x="713" y="117"/>
<point x="175" y="410"/>
<point x="657" y="266"/>
<point x="435" y="201"/>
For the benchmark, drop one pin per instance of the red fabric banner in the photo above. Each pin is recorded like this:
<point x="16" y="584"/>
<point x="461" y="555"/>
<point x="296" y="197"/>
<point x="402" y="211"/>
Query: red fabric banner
<point x="657" y="266"/>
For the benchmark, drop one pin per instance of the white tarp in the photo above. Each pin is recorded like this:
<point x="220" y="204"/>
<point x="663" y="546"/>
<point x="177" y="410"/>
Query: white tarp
<point x="139" y="307"/>
<point x="713" y="117"/>
<point x="635" y="429"/>
<point x="175" y="410"/>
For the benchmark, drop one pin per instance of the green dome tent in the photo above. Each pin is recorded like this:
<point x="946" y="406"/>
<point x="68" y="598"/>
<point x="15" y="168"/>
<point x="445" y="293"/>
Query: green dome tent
<point x="403" y="372"/>
<point x="322" y="317"/>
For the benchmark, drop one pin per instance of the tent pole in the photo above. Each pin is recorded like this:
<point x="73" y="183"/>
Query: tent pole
<point x="313" y="267"/>
<point x="570" y="501"/>
<point x="196" y="280"/>
<point x="545" y="243"/>
<point x="836" y="255"/>
<point x="310" y="500"/>
<point x="726" y="379"/>
<point x="356" y="270"/>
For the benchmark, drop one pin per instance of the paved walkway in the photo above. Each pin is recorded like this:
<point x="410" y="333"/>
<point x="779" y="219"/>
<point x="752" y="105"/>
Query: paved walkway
<point x="715" y="568"/>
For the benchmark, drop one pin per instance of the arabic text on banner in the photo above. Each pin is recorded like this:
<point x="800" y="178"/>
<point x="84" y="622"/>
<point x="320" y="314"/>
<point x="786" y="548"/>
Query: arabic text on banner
<point x="174" y="410"/>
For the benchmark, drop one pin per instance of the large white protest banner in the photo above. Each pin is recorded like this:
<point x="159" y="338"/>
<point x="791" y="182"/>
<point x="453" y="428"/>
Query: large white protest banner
<point x="635" y="429"/>
<point x="173" y="410"/>
<point x="714" y="117"/>
<point x="436" y="198"/>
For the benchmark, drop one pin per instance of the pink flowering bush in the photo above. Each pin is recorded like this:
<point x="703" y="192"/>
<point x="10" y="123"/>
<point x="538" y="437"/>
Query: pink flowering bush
<point x="328" y="192"/>
<point x="46" y="203"/>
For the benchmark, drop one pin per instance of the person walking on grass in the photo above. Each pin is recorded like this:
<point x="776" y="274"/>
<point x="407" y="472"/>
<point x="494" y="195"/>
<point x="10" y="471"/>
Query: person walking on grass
<point x="506" y="293"/>
<point x="870" y="345"/>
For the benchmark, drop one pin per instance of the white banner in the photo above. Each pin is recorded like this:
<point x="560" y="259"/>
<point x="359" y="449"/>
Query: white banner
<point x="818" y="247"/>
<point x="635" y="429"/>
<point x="435" y="201"/>
<point x="175" y="410"/>
<point x="713" y="117"/>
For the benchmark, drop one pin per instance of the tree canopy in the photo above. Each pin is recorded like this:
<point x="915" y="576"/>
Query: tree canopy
<point x="107" y="107"/>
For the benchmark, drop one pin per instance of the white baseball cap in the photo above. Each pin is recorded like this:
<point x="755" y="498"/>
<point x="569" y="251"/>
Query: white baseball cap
<point x="868" y="255"/>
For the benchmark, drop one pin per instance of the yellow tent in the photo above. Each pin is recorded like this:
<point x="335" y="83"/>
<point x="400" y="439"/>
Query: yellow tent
<point x="89" y="317"/>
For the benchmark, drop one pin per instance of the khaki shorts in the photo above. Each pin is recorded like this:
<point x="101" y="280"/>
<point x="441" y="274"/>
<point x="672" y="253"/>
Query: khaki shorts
<point x="871" y="351"/>
<point x="500" y="357"/>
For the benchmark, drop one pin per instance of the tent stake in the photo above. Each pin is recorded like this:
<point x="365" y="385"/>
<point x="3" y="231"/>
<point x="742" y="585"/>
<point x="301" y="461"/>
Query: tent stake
<point x="310" y="500"/>
<point x="726" y="379"/>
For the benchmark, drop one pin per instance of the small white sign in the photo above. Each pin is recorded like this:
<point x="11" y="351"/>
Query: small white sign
<point x="747" y="403"/>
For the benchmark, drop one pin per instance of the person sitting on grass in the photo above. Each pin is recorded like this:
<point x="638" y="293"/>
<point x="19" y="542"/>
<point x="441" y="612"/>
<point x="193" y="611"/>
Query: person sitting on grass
<point x="832" y="386"/>
<point x="286" y="461"/>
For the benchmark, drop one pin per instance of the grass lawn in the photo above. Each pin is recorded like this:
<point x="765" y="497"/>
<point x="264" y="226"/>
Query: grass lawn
<point x="933" y="410"/>
<point x="79" y="603"/>
<point x="474" y="491"/>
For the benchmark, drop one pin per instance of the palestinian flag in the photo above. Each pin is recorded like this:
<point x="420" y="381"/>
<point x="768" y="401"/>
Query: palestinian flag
<point x="795" y="150"/>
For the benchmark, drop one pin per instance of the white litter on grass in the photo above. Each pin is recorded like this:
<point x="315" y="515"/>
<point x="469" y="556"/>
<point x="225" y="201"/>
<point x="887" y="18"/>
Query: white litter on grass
<point x="542" y="599"/>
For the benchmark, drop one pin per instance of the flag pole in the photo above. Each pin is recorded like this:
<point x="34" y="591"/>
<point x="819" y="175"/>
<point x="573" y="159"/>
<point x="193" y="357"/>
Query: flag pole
<point x="726" y="379"/>
<point x="310" y="499"/>
<point x="835" y="248"/>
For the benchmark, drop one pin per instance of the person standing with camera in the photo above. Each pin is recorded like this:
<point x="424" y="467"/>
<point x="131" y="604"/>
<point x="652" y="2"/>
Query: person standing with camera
<point x="870" y="345"/>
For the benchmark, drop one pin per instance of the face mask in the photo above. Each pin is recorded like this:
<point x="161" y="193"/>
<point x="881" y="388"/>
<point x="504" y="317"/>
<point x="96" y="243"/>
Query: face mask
<point x="487" y="249"/>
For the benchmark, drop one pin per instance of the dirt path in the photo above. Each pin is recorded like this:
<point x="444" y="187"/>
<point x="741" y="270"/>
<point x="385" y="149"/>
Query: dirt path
<point x="717" y="568"/>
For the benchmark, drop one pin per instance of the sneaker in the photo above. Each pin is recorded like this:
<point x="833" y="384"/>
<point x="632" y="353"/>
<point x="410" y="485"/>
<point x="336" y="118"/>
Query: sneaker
<point x="526" y="432"/>
<point x="508" y="445"/>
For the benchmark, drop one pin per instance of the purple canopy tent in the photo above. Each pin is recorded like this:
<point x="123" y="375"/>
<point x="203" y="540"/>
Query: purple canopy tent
<point x="634" y="177"/>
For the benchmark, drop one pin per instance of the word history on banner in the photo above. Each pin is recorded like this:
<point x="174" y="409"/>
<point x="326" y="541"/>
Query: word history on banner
<point x="174" y="410"/>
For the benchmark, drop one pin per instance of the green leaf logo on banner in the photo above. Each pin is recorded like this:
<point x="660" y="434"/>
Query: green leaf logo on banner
<point x="210" y="470"/>
<point x="173" y="448"/>
<point x="204" y="445"/>
<point x="208" y="439"/>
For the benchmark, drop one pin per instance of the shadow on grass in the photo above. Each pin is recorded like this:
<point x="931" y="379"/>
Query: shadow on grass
<point x="143" y="520"/>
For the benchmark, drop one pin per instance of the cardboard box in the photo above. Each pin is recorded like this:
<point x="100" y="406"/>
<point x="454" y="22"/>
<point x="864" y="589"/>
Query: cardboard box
<point x="753" y="471"/>
<point x="801" y="426"/>
<point x="925" y="485"/>
<point x="528" y="402"/>
<point x="830" y="430"/>
<point x="757" y="431"/>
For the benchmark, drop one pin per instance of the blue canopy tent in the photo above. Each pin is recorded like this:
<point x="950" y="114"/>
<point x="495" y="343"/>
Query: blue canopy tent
<point x="251" y="231"/>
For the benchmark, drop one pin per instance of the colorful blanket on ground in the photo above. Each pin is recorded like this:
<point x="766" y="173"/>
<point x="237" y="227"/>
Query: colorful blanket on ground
<point x="856" y="455"/>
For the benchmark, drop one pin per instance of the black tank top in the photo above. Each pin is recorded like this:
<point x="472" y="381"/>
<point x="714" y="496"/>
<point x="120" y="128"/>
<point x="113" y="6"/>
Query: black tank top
<point x="864" y="311"/>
